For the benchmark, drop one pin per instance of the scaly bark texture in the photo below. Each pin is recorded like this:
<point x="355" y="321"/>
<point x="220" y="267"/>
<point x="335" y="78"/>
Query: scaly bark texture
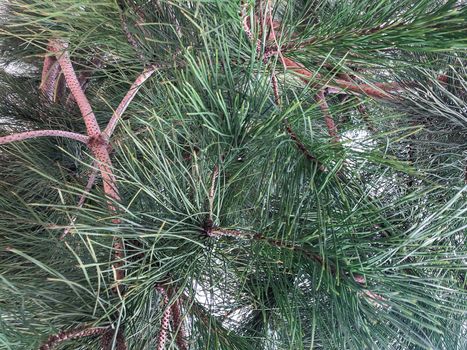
<point x="98" y="146"/>
<point x="179" y="325"/>
<point x="57" y="339"/>
<point x="111" y="128"/>
<point x="43" y="133"/>
<point x="165" y="320"/>
<point x="49" y="76"/>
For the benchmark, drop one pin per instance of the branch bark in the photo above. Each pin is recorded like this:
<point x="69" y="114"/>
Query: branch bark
<point x="82" y="199"/>
<point x="162" y="337"/>
<point x="127" y="100"/>
<point x="57" y="339"/>
<point x="50" y="72"/>
<point x="330" y="124"/>
<point x="220" y="232"/>
<point x="43" y="133"/>
<point x="97" y="144"/>
<point x="178" y="324"/>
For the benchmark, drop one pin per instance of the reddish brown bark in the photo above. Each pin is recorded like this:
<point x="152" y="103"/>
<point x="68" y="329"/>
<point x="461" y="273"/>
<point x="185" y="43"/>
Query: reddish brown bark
<point x="330" y="124"/>
<point x="165" y="320"/>
<point x="50" y="72"/>
<point x="179" y="324"/>
<point x="56" y="339"/>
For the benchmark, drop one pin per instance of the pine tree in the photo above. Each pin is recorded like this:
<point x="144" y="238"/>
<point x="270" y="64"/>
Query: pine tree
<point x="226" y="174"/>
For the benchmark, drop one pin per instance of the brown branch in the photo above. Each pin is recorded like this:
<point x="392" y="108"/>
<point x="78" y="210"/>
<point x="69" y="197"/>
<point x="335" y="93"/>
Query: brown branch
<point x="127" y="100"/>
<point x="332" y="129"/>
<point x="275" y="89"/>
<point x="220" y="232"/>
<point x="107" y="340"/>
<point x="56" y="339"/>
<point x="302" y="147"/>
<point x="178" y="324"/>
<point x="50" y="72"/>
<point x="212" y="190"/>
<point x="162" y="337"/>
<point x="75" y="87"/>
<point x="109" y="131"/>
<point x="376" y="90"/>
<point x="98" y="146"/>
<point x="82" y="198"/>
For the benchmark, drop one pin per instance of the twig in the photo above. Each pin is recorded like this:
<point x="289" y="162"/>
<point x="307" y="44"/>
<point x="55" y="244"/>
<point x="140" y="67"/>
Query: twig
<point x="82" y="198"/>
<point x="332" y="129"/>
<point x="220" y="232"/>
<point x="247" y="29"/>
<point x="362" y="281"/>
<point x="212" y="190"/>
<point x="83" y="79"/>
<point x="178" y="324"/>
<point x="376" y="90"/>
<point x="107" y="340"/>
<point x="50" y="71"/>
<point x="162" y="338"/>
<point x="42" y="133"/>
<point x="61" y="337"/>
<point x="302" y="147"/>
<point x="75" y="87"/>
<point x="97" y="144"/>
<point x="110" y="129"/>
<point x="127" y="100"/>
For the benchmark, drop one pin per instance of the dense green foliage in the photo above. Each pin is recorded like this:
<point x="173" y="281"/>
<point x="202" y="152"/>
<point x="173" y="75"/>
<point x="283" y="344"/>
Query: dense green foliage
<point x="354" y="244"/>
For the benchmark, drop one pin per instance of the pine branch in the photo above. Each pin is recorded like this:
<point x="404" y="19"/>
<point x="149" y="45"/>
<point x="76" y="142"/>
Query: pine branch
<point x="83" y="79"/>
<point x="75" y="87"/>
<point x="332" y="129"/>
<point x="164" y="328"/>
<point x="57" y="339"/>
<point x="43" y="133"/>
<point x="377" y="90"/>
<point x="109" y="131"/>
<point x="91" y="180"/>
<point x="98" y="146"/>
<point x="212" y="191"/>
<point x="299" y="144"/>
<point x="127" y="100"/>
<point x="107" y="340"/>
<point x="221" y="232"/>
<point x="179" y="325"/>
<point x="50" y="72"/>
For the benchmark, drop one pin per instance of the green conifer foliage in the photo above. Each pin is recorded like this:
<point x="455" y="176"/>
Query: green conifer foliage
<point x="226" y="174"/>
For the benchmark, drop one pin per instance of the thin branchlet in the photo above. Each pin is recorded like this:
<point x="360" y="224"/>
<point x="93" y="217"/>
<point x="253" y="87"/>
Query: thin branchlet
<point x="165" y="319"/>
<point x="43" y="133"/>
<point x="56" y="339"/>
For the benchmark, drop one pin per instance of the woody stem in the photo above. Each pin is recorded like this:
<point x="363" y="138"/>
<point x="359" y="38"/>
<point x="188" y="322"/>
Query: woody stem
<point x="42" y="133"/>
